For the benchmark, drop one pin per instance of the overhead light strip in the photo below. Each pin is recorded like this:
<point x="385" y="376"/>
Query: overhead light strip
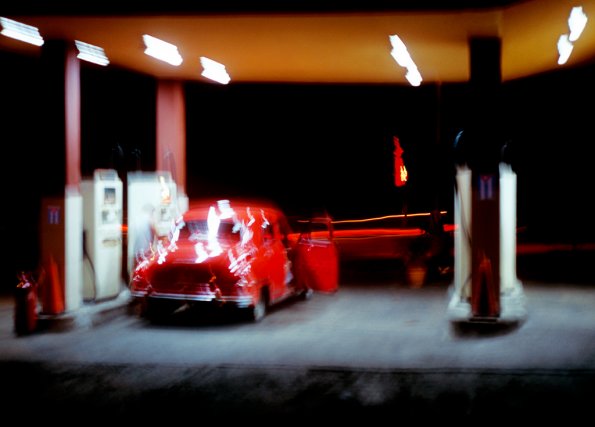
<point x="576" y="24"/>
<point x="214" y="70"/>
<point x="19" y="31"/>
<point x="162" y="50"/>
<point x="91" y="53"/>
<point x="401" y="55"/>
<point x="565" y="47"/>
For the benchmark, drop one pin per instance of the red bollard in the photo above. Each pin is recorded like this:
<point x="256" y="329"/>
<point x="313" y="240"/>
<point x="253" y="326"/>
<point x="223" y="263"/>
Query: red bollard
<point x="25" y="311"/>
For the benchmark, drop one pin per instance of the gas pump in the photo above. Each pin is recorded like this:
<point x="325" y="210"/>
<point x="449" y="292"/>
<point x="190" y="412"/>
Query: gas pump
<point x="61" y="226"/>
<point x="486" y="287"/>
<point x="102" y="235"/>
<point x="152" y="196"/>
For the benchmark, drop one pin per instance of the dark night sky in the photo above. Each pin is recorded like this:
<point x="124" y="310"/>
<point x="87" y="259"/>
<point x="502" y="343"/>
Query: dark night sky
<point x="306" y="147"/>
<point x="310" y="147"/>
<point x="318" y="147"/>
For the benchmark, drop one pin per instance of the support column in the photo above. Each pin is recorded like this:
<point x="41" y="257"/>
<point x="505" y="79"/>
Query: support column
<point x="171" y="136"/>
<point x="61" y="226"/>
<point x="485" y="143"/>
<point x="171" y="131"/>
<point x="486" y="184"/>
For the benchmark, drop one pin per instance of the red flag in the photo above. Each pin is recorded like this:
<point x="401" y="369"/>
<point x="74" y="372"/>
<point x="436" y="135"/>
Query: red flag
<point x="400" y="171"/>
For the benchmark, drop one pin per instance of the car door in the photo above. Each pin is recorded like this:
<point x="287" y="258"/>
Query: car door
<point x="317" y="255"/>
<point x="276" y="259"/>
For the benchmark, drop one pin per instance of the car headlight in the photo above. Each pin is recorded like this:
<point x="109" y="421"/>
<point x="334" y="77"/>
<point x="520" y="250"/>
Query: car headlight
<point x="242" y="282"/>
<point x="138" y="283"/>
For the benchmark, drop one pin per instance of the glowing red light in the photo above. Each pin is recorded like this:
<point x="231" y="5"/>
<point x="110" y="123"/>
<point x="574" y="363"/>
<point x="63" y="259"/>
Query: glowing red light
<point x="400" y="169"/>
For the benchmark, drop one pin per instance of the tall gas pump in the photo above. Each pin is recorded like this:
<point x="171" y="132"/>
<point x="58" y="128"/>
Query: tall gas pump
<point x="102" y="235"/>
<point x="485" y="288"/>
<point x="153" y="198"/>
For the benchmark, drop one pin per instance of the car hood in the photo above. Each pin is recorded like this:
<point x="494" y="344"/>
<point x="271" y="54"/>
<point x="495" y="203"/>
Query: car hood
<point x="224" y="260"/>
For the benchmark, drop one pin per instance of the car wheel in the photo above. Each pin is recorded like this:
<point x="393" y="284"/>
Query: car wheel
<point x="258" y="311"/>
<point x="306" y="293"/>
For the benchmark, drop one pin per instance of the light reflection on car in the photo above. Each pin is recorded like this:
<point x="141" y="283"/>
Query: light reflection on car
<point x="240" y="255"/>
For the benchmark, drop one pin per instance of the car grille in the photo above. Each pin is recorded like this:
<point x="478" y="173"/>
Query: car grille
<point x="188" y="279"/>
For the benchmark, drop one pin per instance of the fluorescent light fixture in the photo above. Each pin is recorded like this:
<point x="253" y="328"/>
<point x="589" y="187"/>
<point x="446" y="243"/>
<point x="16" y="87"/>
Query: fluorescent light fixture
<point x="400" y="52"/>
<point x="413" y="76"/>
<point x="564" y="49"/>
<point x="401" y="55"/>
<point x="19" y="31"/>
<point x="90" y="53"/>
<point x="214" y="70"/>
<point x="576" y="22"/>
<point x="162" y="50"/>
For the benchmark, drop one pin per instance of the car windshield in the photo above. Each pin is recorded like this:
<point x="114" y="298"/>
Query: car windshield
<point x="198" y="230"/>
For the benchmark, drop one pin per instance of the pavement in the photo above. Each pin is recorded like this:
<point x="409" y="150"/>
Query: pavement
<point x="373" y="352"/>
<point x="89" y="315"/>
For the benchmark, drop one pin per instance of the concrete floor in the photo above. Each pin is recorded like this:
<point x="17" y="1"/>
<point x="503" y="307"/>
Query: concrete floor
<point x="376" y="349"/>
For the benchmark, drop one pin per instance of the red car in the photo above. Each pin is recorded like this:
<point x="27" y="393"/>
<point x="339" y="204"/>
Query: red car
<point x="240" y="255"/>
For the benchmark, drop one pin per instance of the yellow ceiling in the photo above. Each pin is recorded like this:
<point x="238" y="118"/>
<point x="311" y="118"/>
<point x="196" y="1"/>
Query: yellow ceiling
<point x="330" y="47"/>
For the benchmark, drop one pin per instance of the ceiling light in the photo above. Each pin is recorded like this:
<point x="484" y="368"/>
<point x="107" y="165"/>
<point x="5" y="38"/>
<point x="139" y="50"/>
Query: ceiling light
<point x="399" y="52"/>
<point x="413" y="76"/>
<point x="576" y="22"/>
<point x="90" y="53"/>
<point x="564" y="49"/>
<point x="214" y="70"/>
<point x="162" y="50"/>
<point x="401" y="55"/>
<point x="19" y="31"/>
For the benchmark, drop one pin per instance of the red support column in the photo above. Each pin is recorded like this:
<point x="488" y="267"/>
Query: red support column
<point x="171" y="131"/>
<point x="72" y="119"/>
<point x="486" y="141"/>
<point x="59" y="177"/>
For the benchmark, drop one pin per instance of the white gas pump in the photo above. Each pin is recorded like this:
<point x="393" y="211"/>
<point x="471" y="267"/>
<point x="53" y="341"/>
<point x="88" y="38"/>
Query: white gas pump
<point x="509" y="298"/>
<point x="102" y="228"/>
<point x="152" y="197"/>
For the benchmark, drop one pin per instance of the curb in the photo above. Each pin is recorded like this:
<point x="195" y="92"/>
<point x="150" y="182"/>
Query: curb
<point x="89" y="315"/>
